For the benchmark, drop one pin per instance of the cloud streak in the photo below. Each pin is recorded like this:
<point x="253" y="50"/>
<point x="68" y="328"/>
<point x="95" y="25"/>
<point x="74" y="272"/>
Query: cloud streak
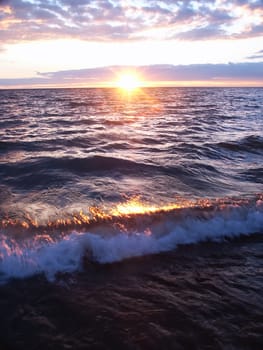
<point x="258" y="55"/>
<point x="213" y="73"/>
<point x="108" y="20"/>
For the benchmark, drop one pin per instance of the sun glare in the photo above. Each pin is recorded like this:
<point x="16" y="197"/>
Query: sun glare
<point x="129" y="81"/>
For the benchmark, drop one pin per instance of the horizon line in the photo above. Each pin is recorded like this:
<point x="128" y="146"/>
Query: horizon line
<point x="106" y="85"/>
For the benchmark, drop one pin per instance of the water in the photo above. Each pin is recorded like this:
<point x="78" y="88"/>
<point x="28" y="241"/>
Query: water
<point x="65" y="151"/>
<point x="91" y="177"/>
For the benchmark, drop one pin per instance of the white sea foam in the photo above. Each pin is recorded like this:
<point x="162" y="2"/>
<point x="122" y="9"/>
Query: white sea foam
<point x="21" y="259"/>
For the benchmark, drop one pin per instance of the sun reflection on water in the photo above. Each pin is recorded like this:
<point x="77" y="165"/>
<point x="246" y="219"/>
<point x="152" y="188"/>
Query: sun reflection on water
<point x="116" y="215"/>
<point x="131" y="207"/>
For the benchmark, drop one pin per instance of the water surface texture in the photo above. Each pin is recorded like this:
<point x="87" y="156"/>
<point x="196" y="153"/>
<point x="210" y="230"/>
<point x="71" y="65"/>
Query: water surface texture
<point x="144" y="200"/>
<point x="157" y="142"/>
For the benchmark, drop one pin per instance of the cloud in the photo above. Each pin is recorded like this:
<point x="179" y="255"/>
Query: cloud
<point x="213" y="73"/>
<point x="200" y="33"/>
<point x="253" y="57"/>
<point x="205" y="72"/>
<point x="257" y="55"/>
<point x="107" y="20"/>
<point x="89" y="74"/>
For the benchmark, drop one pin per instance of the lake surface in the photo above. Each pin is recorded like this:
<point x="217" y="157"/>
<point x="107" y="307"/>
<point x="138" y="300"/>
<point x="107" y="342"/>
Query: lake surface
<point x="141" y="212"/>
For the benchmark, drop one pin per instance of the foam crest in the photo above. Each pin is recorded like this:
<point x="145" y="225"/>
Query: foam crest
<point x="47" y="255"/>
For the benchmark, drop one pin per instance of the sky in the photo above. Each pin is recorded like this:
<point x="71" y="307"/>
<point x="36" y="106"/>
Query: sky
<point x="69" y="43"/>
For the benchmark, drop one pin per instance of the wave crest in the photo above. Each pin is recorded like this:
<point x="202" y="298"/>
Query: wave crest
<point x="148" y="234"/>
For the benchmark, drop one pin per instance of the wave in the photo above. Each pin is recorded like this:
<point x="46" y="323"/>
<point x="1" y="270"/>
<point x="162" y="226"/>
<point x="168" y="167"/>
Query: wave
<point x="93" y="164"/>
<point x="126" y="236"/>
<point x="252" y="144"/>
<point x="38" y="173"/>
<point x="98" y="163"/>
<point x="254" y="174"/>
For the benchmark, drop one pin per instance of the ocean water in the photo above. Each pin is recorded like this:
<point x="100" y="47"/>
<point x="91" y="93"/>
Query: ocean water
<point x="111" y="174"/>
<point x="131" y="220"/>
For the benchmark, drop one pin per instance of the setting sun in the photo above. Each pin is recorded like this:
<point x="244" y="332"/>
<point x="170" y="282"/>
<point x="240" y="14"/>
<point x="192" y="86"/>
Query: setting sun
<point x="129" y="81"/>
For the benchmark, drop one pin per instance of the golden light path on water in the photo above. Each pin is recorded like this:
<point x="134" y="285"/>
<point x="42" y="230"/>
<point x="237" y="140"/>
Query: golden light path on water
<point x="123" y="210"/>
<point x="135" y="206"/>
<point x="120" y="213"/>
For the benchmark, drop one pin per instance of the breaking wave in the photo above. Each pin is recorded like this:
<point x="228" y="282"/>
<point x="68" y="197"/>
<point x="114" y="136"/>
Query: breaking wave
<point x="133" y="235"/>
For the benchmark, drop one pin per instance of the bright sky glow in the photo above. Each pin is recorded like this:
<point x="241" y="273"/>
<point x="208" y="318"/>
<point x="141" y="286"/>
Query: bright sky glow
<point x="43" y="40"/>
<point x="128" y="81"/>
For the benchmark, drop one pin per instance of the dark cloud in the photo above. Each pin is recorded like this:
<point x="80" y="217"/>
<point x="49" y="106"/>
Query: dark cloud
<point x="124" y="20"/>
<point x="5" y="83"/>
<point x="89" y="75"/>
<point x="233" y="72"/>
<point x="205" y="72"/>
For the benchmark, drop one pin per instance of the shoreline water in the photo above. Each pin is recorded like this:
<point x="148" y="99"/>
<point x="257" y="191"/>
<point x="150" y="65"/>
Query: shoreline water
<point x="200" y="296"/>
<point x="130" y="229"/>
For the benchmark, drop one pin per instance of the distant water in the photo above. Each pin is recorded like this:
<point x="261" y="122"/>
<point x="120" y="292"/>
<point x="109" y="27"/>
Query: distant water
<point x="109" y="175"/>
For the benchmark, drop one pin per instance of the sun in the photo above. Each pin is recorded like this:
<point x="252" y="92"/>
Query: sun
<point x="128" y="81"/>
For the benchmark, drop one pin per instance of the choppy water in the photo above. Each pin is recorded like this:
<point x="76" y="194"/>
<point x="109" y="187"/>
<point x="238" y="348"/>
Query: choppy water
<point x="184" y="164"/>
